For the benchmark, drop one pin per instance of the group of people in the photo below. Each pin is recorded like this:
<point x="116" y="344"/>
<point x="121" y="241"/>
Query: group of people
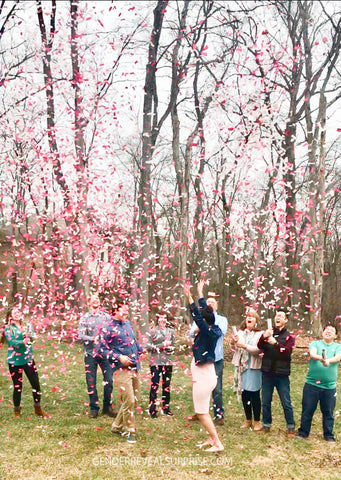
<point x="110" y="343"/>
<point x="261" y="359"/>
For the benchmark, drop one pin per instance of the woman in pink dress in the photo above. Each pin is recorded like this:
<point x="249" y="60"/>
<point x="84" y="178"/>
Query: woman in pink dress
<point x="204" y="377"/>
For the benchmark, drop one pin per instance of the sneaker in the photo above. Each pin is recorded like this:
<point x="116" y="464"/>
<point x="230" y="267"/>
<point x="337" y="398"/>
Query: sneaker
<point x="330" y="439"/>
<point x="167" y="412"/>
<point x="298" y="435"/>
<point x="109" y="411"/>
<point x="93" y="413"/>
<point x="130" y="437"/>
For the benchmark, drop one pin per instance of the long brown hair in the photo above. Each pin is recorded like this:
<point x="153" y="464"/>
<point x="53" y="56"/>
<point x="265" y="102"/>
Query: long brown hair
<point x="255" y="315"/>
<point x="9" y="313"/>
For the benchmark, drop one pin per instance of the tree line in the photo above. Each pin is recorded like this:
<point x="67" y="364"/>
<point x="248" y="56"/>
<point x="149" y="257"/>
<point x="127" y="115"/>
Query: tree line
<point x="144" y="144"/>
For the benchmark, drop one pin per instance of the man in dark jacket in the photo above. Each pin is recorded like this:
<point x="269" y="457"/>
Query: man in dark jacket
<point x="277" y="345"/>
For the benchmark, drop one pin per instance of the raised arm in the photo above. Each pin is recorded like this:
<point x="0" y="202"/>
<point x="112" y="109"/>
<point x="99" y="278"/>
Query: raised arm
<point x="200" y="288"/>
<point x="188" y="294"/>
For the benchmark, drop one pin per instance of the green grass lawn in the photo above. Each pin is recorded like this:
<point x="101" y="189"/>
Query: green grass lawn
<point x="70" y="445"/>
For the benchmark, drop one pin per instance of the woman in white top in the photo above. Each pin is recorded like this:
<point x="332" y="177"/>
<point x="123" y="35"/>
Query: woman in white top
<point x="248" y="363"/>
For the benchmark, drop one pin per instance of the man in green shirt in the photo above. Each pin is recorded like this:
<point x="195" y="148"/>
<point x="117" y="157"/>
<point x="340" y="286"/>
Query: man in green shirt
<point x="320" y="385"/>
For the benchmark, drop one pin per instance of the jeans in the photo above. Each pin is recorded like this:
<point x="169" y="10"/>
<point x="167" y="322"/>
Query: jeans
<point x="311" y="397"/>
<point x="128" y="385"/>
<point x="31" y="371"/>
<point x="91" y="364"/>
<point x="282" y="384"/>
<point x="157" y="371"/>
<point x="217" y="393"/>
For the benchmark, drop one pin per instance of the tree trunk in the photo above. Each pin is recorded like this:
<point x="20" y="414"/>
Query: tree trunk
<point x="81" y="281"/>
<point x="149" y="135"/>
<point x="317" y="216"/>
<point x="48" y="80"/>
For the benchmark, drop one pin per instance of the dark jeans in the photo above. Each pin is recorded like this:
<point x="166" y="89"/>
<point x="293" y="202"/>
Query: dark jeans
<point x="282" y="384"/>
<point x="217" y="393"/>
<point x="311" y="397"/>
<point x="31" y="372"/>
<point x="91" y="364"/>
<point x="251" y="403"/>
<point x="157" y="371"/>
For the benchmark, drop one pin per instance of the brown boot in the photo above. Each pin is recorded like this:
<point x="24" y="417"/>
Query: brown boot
<point x="257" y="426"/>
<point x="247" y="424"/>
<point x="17" y="412"/>
<point x="264" y="430"/>
<point x="38" y="411"/>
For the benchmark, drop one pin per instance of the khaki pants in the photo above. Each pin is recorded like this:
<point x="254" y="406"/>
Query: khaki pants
<point x="127" y="385"/>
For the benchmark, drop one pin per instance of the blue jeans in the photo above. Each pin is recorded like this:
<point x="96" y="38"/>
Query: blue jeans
<point x="282" y="384"/>
<point x="217" y="393"/>
<point x="91" y="364"/>
<point x="311" y="397"/>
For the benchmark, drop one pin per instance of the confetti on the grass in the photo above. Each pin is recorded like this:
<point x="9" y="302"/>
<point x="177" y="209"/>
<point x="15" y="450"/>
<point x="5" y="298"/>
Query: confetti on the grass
<point x="130" y="166"/>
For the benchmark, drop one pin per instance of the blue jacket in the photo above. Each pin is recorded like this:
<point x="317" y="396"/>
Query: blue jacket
<point x="118" y="338"/>
<point x="222" y="323"/>
<point x="205" y="341"/>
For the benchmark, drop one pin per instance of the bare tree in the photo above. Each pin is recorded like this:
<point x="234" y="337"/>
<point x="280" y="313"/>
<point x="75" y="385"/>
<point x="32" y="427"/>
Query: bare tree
<point x="150" y="131"/>
<point x="316" y="139"/>
<point x="47" y="43"/>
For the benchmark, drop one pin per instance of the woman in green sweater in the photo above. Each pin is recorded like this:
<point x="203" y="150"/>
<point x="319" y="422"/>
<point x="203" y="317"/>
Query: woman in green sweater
<point x="19" y="336"/>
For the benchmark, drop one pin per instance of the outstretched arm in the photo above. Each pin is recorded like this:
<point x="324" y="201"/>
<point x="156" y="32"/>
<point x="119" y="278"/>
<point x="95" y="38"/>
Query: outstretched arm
<point x="187" y="292"/>
<point x="200" y="287"/>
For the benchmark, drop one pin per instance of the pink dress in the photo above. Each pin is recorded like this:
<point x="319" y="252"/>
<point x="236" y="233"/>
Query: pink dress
<point x="204" y="381"/>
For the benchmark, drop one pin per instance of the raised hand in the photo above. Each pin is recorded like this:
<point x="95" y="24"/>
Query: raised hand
<point x="187" y="292"/>
<point x="200" y="287"/>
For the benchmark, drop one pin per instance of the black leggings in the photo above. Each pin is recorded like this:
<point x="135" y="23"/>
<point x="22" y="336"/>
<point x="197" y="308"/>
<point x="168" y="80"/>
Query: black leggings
<point x="251" y="403"/>
<point x="157" y="371"/>
<point x="31" y="371"/>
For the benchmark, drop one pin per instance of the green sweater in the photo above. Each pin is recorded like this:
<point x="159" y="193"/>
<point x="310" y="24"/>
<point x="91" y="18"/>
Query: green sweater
<point x="19" y="353"/>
